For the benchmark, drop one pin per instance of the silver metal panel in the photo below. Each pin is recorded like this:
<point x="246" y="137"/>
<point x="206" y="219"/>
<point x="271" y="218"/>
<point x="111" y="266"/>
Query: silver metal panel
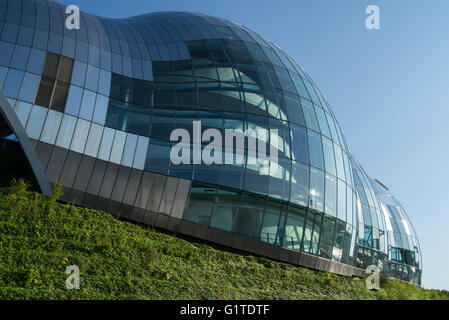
<point x="36" y="122"/>
<point x="141" y="152"/>
<point x="66" y="130"/>
<point x="23" y="110"/>
<point x="80" y="136"/>
<point x="117" y="147"/>
<point x="94" y="140"/>
<point x="129" y="150"/>
<point x="51" y="127"/>
<point x="106" y="144"/>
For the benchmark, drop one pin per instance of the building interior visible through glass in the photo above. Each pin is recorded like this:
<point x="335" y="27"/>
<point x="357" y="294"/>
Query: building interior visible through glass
<point x="100" y="103"/>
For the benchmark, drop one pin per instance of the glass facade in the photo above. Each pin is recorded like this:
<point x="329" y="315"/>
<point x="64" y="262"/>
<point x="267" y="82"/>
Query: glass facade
<point x="114" y="91"/>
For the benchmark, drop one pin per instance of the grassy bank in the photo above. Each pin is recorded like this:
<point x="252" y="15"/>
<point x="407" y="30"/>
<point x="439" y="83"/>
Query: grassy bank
<point x="39" y="237"/>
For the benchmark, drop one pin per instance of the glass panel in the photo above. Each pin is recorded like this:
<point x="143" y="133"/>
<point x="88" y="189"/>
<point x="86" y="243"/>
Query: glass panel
<point x="93" y="74"/>
<point x="294" y="228"/>
<point x="340" y="232"/>
<point x="45" y="91"/>
<point x="316" y="200"/>
<point x="307" y="245"/>
<point x="158" y="156"/>
<point x="116" y="116"/>
<point x="23" y="111"/>
<point x="309" y="115"/>
<point x="280" y="180"/>
<point x="341" y="213"/>
<point x="226" y="205"/>
<point x="329" y="156"/>
<point x="88" y="105"/>
<point x="256" y="182"/>
<point x="316" y="232"/>
<point x="29" y="87"/>
<point x="13" y="83"/>
<point x="139" y="123"/>
<point x="200" y="205"/>
<point x="79" y="73"/>
<point x="300" y="184"/>
<point x="51" y="65"/>
<point x="101" y="108"/>
<point x="65" y="70"/>
<point x="248" y="220"/>
<point x="294" y="109"/>
<point x="74" y="100"/>
<point x="163" y="124"/>
<point x="34" y="127"/>
<point x="339" y="161"/>
<point x="300" y="150"/>
<point x="315" y="149"/>
<point x="331" y="195"/>
<point x="60" y="96"/>
<point x="327" y="237"/>
<point x="272" y="223"/>
<point x="322" y="121"/>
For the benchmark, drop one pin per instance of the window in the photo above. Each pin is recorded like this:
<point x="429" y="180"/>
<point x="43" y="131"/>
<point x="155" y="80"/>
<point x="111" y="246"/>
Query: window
<point x="309" y="115"/>
<point x="329" y="158"/>
<point x="315" y="149"/>
<point x="248" y="218"/>
<point x="54" y="85"/>
<point x="300" y="152"/>
<point x="300" y="184"/>
<point x="331" y="195"/>
<point x="322" y="121"/>
<point x="226" y="205"/>
<point x="327" y="237"/>
<point x="199" y="208"/>
<point x="294" y="228"/>
<point x="158" y="156"/>
<point x="316" y="233"/>
<point x="316" y="199"/>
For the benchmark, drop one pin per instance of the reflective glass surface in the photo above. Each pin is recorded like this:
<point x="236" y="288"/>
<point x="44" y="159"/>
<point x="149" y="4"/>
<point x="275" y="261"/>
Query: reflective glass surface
<point x="118" y="89"/>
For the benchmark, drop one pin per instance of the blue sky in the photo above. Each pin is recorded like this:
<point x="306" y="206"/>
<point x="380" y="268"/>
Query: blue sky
<point x="388" y="88"/>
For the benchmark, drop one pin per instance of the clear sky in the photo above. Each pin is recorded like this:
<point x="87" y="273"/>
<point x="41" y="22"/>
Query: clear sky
<point x="388" y="88"/>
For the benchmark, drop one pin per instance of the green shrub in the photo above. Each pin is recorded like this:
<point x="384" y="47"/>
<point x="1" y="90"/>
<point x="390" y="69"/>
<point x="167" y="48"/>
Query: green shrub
<point x="39" y="237"/>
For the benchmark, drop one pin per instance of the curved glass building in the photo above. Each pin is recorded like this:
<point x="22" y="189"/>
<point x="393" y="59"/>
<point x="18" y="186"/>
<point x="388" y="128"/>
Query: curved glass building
<point x="94" y="109"/>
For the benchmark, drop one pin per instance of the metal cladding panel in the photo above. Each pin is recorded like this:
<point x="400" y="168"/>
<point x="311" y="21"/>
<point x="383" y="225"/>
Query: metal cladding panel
<point x="157" y="190"/>
<point x="132" y="187"/>
<point x="109" y="180"/>
<point x="55" y="164"/>
<point x="180" y="200"/>
<point x="120" y="184"/>
<point x="70" y="169"/>
<point x="97" y="177"/>
<point x="174" y="224"/>
<point x="149" y="218"/>
<point x="44" y="151"/>
<point x="145" y="188"/>
<point x="85" y="171"/>
<point x="186" y="227"/>
<point x="168" y="197"/>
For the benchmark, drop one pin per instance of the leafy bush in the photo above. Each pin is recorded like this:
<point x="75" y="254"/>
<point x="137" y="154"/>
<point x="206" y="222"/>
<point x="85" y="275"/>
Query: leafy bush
<point x="40" y="237"/>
